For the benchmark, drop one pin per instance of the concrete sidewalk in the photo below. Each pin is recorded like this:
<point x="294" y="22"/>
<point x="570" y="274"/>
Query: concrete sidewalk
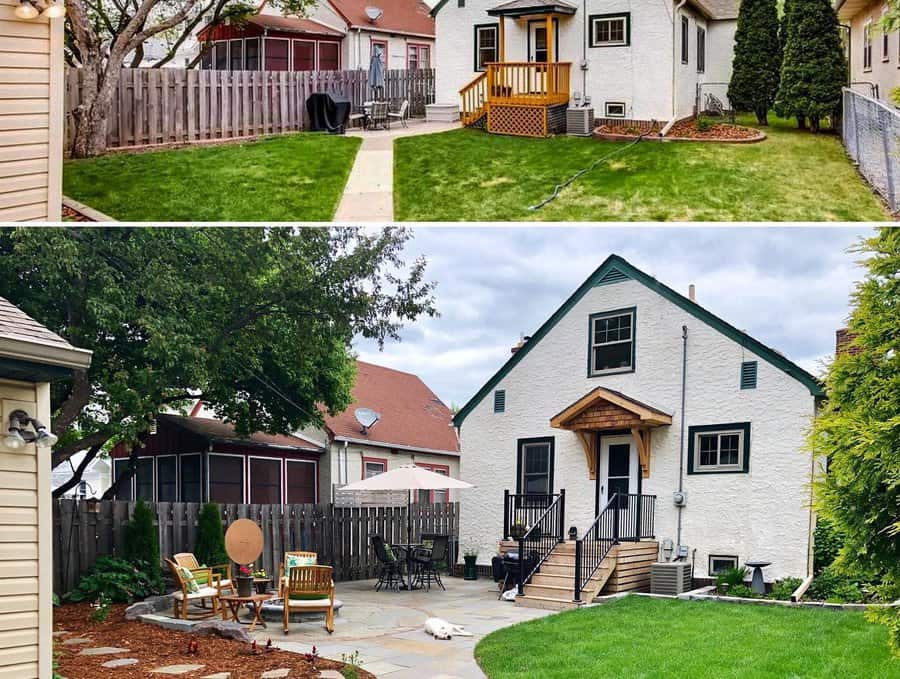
<point x="369" y="194"/>
<point x="387" y="628"/>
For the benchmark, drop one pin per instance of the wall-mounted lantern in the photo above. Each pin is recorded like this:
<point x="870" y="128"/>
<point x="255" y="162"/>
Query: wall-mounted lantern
<point x="19" y="435"/>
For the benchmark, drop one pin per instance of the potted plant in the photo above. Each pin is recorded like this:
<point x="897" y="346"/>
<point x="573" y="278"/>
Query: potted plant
<point x="260" y="581"/>
<point x="244" y="581"/>
<point x="518" y="529"/>
<point x="470" y="556"/>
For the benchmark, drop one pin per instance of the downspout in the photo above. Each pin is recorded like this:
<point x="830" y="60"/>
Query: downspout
<point x="358" y="48"/>
<point x="346" y="474"/>
<point x="684" y="336"/>
<point x="584" y="41"/>
<point x="665" y="130"/>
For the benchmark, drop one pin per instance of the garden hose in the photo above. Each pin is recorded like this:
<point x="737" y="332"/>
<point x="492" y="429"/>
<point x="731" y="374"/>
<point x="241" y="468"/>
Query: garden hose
<point x="582" y="172"/>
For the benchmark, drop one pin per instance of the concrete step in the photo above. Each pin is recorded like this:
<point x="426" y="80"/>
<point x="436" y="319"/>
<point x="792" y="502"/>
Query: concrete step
<point x="442" y="113"/>
<point x="547" y="603"/>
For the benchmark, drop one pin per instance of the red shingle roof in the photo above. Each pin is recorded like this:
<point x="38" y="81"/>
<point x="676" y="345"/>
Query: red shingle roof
<point x="411" y="414"/>
<point x="400" y="16"/>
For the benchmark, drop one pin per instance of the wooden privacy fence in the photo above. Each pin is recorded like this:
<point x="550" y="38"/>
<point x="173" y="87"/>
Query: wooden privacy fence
<point x="176" y="105"/>
<point x="85" y="529"/>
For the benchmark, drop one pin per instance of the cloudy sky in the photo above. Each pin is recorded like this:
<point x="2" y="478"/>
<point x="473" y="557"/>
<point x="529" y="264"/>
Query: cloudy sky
<point x="787" y="287"/>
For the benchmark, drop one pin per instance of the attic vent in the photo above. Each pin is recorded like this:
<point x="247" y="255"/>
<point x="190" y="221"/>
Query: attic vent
<point x="500" y="401"/>
<point x="612" y="276"/>
<point x="748" y="375"/>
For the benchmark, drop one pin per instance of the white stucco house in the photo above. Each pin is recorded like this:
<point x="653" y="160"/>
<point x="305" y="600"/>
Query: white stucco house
<point x="636" y="62"/>
<point x="631" y="388"/>
<point x="873" y="54"/>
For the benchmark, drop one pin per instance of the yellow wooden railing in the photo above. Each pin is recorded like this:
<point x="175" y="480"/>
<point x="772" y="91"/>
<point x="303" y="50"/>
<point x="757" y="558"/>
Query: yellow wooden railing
<point x="474" y="97"/>
<point x="541" y="84"/>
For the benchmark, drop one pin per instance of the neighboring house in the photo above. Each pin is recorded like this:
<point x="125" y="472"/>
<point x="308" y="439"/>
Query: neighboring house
<point x="95" y="480"/>
<point x="637" y="62"/>
<point x="31" y="356"/>
<point x="31" y="117"/>
<point x="594" y="403"/>
<point x="874" y="55"/>
<point x="337" y="35"/>
<point x="198" y="458"/>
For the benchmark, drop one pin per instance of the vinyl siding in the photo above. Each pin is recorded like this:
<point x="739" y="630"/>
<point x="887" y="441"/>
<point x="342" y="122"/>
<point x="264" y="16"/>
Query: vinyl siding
<point x="31" y="118"/>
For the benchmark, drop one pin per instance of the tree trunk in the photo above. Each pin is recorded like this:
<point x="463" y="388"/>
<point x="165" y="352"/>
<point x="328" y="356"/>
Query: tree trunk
<point x="110" y="493"/>
<point x="762" y="117"/>
<point x="814" y="124"/>
<point x="90" y="117"/>
<point x="801" y="122"/>
<point x="78" y="473"/>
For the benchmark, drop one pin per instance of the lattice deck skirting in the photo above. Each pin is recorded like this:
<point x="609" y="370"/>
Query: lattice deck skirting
<point x="522" y="121"/>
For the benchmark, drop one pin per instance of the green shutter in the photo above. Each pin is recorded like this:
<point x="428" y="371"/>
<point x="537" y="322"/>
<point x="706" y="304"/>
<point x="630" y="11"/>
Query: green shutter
<point x="748" y="375"/>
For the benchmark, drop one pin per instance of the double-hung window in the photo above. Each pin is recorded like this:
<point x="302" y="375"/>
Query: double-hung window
<point x="486" y="45"/>
<point x="719" y="448"/>
<point x="612" y="342"/>
<point x="373" y="466"/>
<point x="535" y="466"/>
<point x="418" y="56"/>
<point x="867" y="46"/>
<point x="701" y="49"/>
<point x="685" y="31"/>
<point x="610" y="30"/>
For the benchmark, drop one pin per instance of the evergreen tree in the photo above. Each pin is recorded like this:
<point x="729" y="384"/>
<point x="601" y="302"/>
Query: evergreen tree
<point x="142" y="543"/>
<point x="757" y="59"/>
<point x="782" y="39"/>
<point x="210" y="546"/>
<point x="813" y="69"/>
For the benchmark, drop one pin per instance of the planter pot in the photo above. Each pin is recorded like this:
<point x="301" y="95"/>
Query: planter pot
<point x="244" y="585"/>
<point x="516" y="532"/>
<point x="470" y="571"/>
<point x="261" y="586"/>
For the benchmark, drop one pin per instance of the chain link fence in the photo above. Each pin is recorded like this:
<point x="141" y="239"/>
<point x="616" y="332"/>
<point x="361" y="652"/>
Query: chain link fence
<point x="871" y="135"/>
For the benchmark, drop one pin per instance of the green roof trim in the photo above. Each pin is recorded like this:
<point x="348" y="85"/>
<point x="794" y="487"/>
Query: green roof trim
<point x="437" y="7"/>
<point x="615" y="263"/>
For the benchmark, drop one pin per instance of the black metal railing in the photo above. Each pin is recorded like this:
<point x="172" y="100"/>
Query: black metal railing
<point x="522" y="510"/>
<point x="626" y="517"/>
<point x="540" y="539"/>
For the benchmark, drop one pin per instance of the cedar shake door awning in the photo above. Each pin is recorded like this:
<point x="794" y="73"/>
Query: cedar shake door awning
<point x="606" y="410"/>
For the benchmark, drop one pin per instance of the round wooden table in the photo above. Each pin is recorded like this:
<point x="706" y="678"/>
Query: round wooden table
<point x="234" y="603"/>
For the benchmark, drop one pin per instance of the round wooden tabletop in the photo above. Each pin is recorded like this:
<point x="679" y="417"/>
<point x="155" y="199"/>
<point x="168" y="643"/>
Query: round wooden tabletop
<point x="243" y="541"/>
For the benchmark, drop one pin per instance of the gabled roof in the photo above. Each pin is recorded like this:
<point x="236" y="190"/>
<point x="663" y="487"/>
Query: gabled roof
<point x="613" y="270"/>
<point x="517" y="8"/>
<point x="412" y="416"/>
<point x="23" y="338"/>
<point x="649" y="414"/>
<point x="718" y="9"/>
<point x="398" y="16"/>
<point x="218" y="430"/>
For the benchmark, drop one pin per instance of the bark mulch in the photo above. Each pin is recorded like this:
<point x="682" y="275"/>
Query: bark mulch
<point x="687" y="130"/>
<point x="155" y="647"/>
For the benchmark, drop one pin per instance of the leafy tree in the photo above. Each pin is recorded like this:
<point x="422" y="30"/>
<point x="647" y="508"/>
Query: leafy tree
<point x="858" y="430"/>
<point x="757" y="59"/>
<point x="142" y="543"/>
<point x="256" y="322"/>
<point x="813" y="69"/>
<point x="210" y="546"/>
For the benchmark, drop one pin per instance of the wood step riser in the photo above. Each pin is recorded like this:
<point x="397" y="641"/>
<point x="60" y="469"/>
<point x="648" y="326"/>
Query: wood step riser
<point x="545" y="603"/>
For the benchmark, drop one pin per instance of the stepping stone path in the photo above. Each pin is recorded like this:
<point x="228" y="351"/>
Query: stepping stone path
<point x="120" y="662"/>
<point x="177" y="669"/>
<point x="218" y="675"/>
<point x="275" y="674"/>
<point x="330" y="674"/>
<point x="77" y="640"/>
<point x="103" y="650"/>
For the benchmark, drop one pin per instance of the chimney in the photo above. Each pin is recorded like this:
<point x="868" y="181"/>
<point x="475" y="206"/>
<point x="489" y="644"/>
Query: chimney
<point x="843" y="342"/>
<point x="520" y="343"/>
<point x="692" y="293"/>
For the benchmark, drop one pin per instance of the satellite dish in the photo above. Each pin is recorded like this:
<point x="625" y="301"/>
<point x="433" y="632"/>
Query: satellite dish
<point x="366" y="418"/>
<point x="374" y="13"/>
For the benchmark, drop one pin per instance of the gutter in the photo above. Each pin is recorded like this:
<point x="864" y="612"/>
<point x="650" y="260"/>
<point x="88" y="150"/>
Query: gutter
<point x="665" y="130"/>
<point x="35" y="351"/>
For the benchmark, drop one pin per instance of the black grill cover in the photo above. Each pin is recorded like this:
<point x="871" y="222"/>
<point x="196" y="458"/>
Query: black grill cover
<point x="327" y="113"/>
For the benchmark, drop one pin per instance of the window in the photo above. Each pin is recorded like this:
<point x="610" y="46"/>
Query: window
<point x="329" y="57"/>
<point x="190" y="477"/>
<point x="612" y="342"/>
<point x="719" y="563"/>
<point x="301" y="482"/>
<point x="610" y="30"/>
<point x="867" y="46"/>
<point x="304" y="55"/>
<point x="433" y="496"/>
<point x="748" y="375"/>
<point x="615" y="109"/>
<point x="276" y="54"/>
<point x="719" y="448"/>
<point x="535" y="467"/>
<point x="221" y="56"/>
<point x="237" y="55"/>
<point x="500" y="401"/>
<point x="265" y="481"/>
<point x="685" y="29"/>
<point x="373" y="466"/>
<point x="418" y="56"/>
<point x="226" y="478"/>
<point x="166" y="478"/>
<point x="120" y="466"/>
<point x="701" y="49"/>
<point x="460" y="3"/>
<point x="885" y="56"/>
<point x="251" y="54"/>
<point x="486" y="45"/>
<point x="143" y="479"/>
<point x="380" y="50"/>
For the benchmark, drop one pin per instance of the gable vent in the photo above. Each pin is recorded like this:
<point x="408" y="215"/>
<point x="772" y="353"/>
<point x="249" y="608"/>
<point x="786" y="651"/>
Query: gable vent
<point x="612" y="276"/>
<point x="500" y="401"/>
<point x="748" y="375"/>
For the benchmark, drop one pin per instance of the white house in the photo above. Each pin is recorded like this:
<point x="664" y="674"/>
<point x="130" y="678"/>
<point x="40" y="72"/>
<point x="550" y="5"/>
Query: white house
<point x="631" y="388"/>
<point x="873" y="54"/>
<point x="635" y="61"/>
<point x="95" y="480"/>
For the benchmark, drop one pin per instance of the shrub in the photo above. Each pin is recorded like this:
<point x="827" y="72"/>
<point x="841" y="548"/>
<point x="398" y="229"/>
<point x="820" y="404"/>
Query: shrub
<point x="729" y="578"/>
<point x="142" y="543"/>
<point x="119" y="580"/>
<point x="782" y="589"/>
<point x="703" y="124"/>
<point x="831" y="585"/>
<point x="828" y="542"/>
<point x="742" y="590"/>
<point x="890" y="618"/>
<point x="757" y="58"/>
<point x="210" y="545"/>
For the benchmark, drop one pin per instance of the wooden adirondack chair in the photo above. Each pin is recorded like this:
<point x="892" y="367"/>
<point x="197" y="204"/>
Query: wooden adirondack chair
<point x="221" y="572"/>
<point x="190" y="590"/>
<point x="310" y="589"/>
<point x="284" y="566"/>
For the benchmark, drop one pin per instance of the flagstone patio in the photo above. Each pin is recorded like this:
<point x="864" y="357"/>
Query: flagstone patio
<point x="387" y="628"/>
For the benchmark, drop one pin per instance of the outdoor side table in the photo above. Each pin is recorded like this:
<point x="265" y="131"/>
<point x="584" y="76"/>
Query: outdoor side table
<point x="234" y="603"/>
<point x="259" y="584"/>
<point x="756" y="583"/>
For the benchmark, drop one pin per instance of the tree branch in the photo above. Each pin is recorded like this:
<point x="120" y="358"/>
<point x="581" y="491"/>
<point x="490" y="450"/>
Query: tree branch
<point x="111" y="492"/>
<point x="71" y="408"/>
<point x="78" y="473"/>
<point x="63" y="453"/>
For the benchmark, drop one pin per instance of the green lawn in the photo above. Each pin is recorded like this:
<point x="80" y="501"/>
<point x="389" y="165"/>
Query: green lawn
<point x="467" y="175"/>
<point x="638" y="638"/>
<point x="295" y="177"/>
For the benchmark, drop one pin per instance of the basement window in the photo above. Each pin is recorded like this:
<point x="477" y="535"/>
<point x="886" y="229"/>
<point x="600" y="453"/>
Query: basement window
<point x="719" y="563"/>
<point x="720" y="448"/>
<point x="611" y="342"/>
<point x="614" y="109"/>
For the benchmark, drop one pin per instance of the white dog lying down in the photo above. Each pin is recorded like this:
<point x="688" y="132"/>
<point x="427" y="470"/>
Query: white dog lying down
<point x="441" y="629"/>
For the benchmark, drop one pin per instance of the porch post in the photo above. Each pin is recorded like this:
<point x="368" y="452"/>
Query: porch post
<point x="550" y="52"/>
<point x="502" y="39"/>
<point x="505" y="514"/>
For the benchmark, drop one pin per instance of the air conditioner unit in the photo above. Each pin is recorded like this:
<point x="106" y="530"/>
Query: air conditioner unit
<point x="579" y="122"/>
<point x="672" y="577"/>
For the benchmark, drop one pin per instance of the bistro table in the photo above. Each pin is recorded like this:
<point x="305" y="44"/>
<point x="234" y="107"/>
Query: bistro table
<point x="409" y="548"/>
<point x="234" y="603"/>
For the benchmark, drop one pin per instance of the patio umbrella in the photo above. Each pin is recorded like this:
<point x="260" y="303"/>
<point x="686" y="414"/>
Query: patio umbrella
<point x="408" y="478"/>
<point x="376" y="73"/>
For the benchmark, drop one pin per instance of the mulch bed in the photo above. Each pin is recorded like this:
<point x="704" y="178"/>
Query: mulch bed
<point x="70" y="215"/>
<point x="155" y="647"/>
<point x="686" y="130"/>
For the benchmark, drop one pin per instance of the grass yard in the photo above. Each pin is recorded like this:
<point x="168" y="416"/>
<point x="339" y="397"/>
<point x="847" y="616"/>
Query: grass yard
<point x="467" y="175"/>
<point x="296" y="177"/>
<point x="639" y="638"/>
